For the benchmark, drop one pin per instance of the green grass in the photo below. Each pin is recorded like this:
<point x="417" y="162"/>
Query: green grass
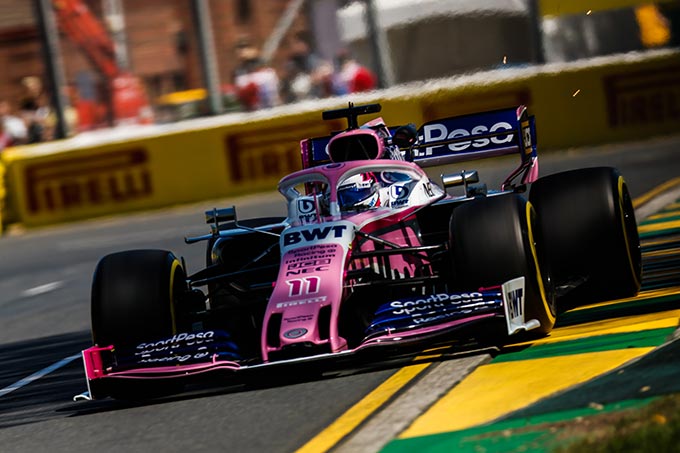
<point x="653" y="428"/>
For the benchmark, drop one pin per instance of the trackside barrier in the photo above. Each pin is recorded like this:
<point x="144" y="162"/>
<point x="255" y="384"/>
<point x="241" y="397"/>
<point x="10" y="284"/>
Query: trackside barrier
<point x="560" y="7"/>
<point x="590" y="102"/>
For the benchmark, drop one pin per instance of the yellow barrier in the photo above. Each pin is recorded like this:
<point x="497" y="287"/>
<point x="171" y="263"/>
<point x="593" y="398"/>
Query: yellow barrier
<point x="584" y="103"/>
<point x="560" y="7"/>
<point x="104" y="179"/>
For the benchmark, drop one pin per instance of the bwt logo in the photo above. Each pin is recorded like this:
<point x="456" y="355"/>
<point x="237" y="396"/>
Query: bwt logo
<point x="99" y="179"/>
<point x="439" y="132"/>
<point x="515" y="303"/>
<point x="314" y="234"/>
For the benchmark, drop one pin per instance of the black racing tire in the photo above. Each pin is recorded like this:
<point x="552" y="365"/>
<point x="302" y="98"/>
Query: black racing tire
<point x="134" y="299"/>
<point x="134" y="295"/>
<point x="491" y="242"/>
<point x="586" y="222"/>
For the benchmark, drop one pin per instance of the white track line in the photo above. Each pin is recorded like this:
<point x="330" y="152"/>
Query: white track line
<point x="42" y="289"/>
<point x="37" y="375"/>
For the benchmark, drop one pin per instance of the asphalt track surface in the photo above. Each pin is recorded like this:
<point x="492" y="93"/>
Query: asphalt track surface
<point x="45" y="281"/>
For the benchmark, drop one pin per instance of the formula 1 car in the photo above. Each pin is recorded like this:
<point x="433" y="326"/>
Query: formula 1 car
<point x="372" y="255"/>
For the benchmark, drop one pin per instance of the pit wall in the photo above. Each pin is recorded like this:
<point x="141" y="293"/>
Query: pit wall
<point x="592" y="102"/>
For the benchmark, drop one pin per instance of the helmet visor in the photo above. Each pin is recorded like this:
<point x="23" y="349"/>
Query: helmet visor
<point x="354" y="195"/>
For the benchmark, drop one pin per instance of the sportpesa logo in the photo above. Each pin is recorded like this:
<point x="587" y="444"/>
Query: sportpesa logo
<point x="176" y="341"/>
<point x="433" y="133"/>
<point x="417" y="306"/>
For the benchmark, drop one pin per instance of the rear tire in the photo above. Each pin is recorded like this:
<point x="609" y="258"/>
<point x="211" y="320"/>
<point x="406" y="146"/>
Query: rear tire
<point x="492" y="242"/>
<point x="586" y="222"/>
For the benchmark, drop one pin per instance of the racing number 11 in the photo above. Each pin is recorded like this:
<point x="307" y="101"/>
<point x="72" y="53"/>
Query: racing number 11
<point x="300" y="286"/>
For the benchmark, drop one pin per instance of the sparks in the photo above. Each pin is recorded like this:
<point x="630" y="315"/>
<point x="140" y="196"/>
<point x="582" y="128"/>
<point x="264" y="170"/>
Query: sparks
<point x="505" y="59"/>
<point x="589" y="12"/>
<point x="575" y="93"/>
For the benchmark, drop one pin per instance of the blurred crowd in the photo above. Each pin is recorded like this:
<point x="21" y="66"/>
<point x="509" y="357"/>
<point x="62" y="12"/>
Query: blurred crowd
<point x="31" y="121"/>
<point x="305" y="76"/>
<point x="255" y="84"/>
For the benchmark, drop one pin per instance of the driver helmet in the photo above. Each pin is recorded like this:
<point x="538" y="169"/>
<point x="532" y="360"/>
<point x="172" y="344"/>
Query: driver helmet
<point x="359" y="192"/>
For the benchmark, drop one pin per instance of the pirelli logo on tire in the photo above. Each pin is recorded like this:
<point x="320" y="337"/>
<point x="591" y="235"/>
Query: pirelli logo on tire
<point x="643" y="98"/>
<point x="90" y="181"/>
<point x="270" y="152"/>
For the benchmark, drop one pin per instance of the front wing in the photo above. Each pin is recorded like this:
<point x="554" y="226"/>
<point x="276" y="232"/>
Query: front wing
<point x="413" y="321"/>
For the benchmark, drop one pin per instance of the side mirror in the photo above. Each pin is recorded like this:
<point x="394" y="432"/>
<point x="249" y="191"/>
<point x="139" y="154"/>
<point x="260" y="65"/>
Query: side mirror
<point x="220" y="215"/>
<point x="459" y="179"/>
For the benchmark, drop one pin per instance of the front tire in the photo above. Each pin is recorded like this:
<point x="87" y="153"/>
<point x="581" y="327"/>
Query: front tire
<point x="491" y="240"/>
<point x="134" y="299"/>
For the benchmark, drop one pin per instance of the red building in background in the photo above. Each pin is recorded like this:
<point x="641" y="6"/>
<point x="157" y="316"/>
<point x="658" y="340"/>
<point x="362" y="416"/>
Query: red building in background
<point x="162" y="46"/>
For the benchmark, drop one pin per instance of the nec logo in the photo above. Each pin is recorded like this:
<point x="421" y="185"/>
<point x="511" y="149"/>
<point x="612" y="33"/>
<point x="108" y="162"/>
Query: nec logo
<point x="313" y="234"/>
<point x="439" y="132"/>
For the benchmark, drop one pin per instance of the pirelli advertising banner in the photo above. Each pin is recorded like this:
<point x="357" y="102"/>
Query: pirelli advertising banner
<point x="259" y="153"/>
<point x="577" y="104"/>
<point x="65" y="181"/>
<point x="607" y="103"/>
<point x="48" y="185"/>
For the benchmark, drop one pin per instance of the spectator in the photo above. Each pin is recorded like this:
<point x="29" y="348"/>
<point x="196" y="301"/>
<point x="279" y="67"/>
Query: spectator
<point x="312" y="74"/>
<point x="297" y="84"/>
<point x="246" y="88"/>
<point x="268" y="85"/>
<point x="352" y="76"/>
<point x="5" y="138"/>
<point x="257" y="85"/>
<point x="323" y="80"/>
<point x="13" y="126"/>
<point x="72" y="110"/>
<point x="35" y="109"/>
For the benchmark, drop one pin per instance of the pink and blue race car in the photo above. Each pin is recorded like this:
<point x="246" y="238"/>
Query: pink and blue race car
<point x="372" y="256"/>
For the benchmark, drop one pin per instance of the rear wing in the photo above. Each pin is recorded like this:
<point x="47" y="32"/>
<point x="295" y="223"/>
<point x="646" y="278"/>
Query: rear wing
<point x="476" y="136"/>
<point x="459" y="139"/>
<point x="314" y="151"/>
<point x="480" y="135"/>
